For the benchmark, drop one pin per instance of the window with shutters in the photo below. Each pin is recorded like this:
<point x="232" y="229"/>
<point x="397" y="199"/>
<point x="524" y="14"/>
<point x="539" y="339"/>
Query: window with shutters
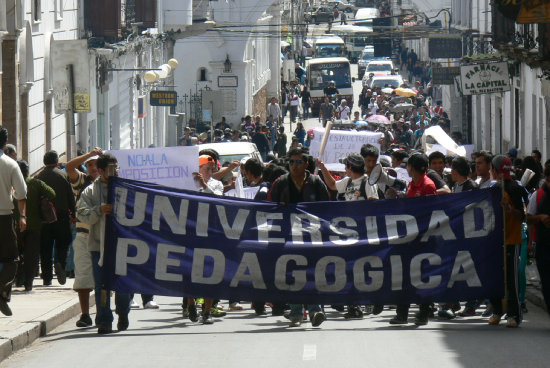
<point x="103" y="18"/>
<point x="36" y="9"/>
<point x="146" y="12"/>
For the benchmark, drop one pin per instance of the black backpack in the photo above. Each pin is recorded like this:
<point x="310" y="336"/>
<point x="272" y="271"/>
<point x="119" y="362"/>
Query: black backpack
<point x="362" y="189"/>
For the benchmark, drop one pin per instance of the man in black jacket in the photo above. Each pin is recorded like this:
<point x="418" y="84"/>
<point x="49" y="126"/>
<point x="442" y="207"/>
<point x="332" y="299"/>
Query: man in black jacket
<point x="295" y="187"/>
<point x="59" y="231"/>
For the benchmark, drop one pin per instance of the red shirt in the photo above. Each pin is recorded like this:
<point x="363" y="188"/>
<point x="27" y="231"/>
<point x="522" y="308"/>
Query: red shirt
<point x="424" y="186"/>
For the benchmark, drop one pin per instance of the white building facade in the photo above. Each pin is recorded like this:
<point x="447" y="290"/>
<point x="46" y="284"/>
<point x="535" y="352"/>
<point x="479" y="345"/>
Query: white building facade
<point x="246" y="36"/>
<point x="518" y="118"/>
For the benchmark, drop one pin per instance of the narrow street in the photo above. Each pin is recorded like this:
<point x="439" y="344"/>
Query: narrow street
<point x="162" y="338"/>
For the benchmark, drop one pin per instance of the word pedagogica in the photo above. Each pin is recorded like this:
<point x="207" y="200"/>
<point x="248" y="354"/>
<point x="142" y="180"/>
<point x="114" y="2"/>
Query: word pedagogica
<point x="197" y="241"/>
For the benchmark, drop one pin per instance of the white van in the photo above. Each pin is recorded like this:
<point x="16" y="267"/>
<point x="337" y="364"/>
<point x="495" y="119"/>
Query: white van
<point x="364" y="16"/>
<point x="233" y="151"/>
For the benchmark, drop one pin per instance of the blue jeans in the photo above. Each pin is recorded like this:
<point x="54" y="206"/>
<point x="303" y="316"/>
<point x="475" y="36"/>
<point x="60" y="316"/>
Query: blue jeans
<point x="104" y="315"/>
<point x="297" y="310"/>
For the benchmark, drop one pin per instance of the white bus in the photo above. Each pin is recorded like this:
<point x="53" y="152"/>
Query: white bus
<point x="364" y="16"/>
<point x="355" y="38"/>
<point x="329" y="46"/>
<point x="323" y="70"/>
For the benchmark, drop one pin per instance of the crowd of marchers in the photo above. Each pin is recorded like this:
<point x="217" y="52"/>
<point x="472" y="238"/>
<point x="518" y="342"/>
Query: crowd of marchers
<point x="67" y="243"/>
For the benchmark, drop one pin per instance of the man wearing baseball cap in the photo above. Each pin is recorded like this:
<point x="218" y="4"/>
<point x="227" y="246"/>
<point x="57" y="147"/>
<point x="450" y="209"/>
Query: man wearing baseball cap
<point x="207" y="184"/>
<point x="514" y="215"/>
<point x="353" y="187"/>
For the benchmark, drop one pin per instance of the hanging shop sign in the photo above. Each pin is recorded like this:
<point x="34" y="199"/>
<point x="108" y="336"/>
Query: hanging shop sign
<point x="163" y="98"/>
<point x="534" y="11"/>
<point x="478" y="79"/>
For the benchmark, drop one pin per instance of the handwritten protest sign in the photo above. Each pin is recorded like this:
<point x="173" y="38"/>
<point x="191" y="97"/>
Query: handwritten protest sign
<point x="169" y="166"/>
<point x="341" y="143"/>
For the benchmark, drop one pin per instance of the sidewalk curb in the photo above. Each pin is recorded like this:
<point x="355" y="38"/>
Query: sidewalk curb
<point x="39" y="327"/>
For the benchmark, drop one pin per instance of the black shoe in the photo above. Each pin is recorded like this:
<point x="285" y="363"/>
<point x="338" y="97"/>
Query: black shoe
<point x="524" y="308"/>
<point x="84" y="321"/>
<point x="192" y="311"/>
<point x="467" y="312"/>
<point x="398" y="320"/>
<point x="277" y="311"/>
<point x="47" y="283"/>
<point x="353" y="313"/>
<point x="104" y="329"/>
<point x="60" y="273"/>
<point x="70" y="274"/>
<point x="28" y="287"/>
<point x="207" y="319"/>
<point x="123" y="323"/>
<point x="339" y="308"/>
<point x="446" y="313"/>
<point x="421" y="319"/>
<point x="260" y="312"/>
<point x="4" y="307"/>
<point x="378" y="308"/>
<point x="317" y="319"/>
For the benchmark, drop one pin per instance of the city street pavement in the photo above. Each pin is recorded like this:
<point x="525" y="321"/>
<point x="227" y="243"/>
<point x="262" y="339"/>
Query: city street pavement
<point x="36" y="314"/>
<point x="163" y="338"/>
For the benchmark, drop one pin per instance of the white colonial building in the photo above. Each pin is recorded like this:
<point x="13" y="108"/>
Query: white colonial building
<point x="237" y="63"/>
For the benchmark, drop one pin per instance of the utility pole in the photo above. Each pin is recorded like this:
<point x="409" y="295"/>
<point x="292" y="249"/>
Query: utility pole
<point x="292" y="29"/>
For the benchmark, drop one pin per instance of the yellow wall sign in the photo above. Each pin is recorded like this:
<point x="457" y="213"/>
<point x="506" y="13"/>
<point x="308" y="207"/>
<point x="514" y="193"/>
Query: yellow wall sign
<point x="534" y="11"/>
<point x="82" y="102"/>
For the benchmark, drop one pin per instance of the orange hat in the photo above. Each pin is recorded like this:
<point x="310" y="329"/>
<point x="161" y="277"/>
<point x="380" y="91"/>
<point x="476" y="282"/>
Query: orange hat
<point x="204" y="159"/>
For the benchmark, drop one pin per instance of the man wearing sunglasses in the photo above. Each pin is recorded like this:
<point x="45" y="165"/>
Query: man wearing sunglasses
<point x="300" y="186"/>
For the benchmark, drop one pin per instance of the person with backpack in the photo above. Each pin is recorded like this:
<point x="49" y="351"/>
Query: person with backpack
<point x="30" y="238"/>
<point x="353" y="187"/>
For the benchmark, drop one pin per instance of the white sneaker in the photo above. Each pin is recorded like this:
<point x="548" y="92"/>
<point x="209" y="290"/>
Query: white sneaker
<point x="133" y="304"/>
<point x="235" y="306"/>
<point x="151" y="305"/>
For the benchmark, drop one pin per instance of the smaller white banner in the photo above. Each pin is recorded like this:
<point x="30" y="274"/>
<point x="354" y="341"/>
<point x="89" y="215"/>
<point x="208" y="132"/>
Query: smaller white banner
<point x="341" y="143"/>
<point x="169" y="166"/>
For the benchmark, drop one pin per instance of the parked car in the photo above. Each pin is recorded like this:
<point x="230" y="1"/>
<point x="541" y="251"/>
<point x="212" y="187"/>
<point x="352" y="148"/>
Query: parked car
<point x="342" y="6"/>
<point x="322" y="14"/>
<point x="231" y="151"/>
<point x="392" y="81"/>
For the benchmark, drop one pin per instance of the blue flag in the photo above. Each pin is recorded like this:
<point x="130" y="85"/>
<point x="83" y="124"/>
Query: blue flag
<point x="165" y="241"/>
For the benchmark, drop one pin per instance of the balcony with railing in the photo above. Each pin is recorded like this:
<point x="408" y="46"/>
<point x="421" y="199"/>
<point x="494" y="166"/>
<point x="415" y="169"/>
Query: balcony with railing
<point x="528" y="43"/>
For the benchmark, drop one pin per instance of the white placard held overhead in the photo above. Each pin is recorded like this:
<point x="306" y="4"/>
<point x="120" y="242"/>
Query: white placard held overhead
<point x="341" y="143"/>
<point x="169" y="166"/>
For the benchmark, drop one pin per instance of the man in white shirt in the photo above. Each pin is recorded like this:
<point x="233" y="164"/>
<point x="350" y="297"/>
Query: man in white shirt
<point x="274" y="109"/>
<point x="483" y="170"/>
<point x="353" y="187"/>
<point x="11" y="181"/>
<point x="343" y="111"/>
